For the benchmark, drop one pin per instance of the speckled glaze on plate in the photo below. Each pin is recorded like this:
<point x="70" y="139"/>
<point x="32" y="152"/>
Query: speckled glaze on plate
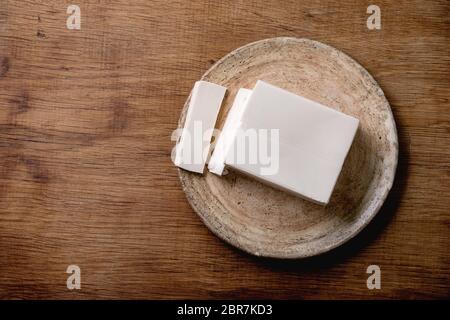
<point x="267" y="222"/>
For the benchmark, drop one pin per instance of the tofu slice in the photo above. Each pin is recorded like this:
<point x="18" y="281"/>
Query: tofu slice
<point x="216" y="164"/>
<point x="194" y="143"/>
<point x="313" y="142"/>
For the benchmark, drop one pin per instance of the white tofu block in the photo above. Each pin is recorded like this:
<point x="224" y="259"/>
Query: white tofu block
<point x="313" y="142"/>
<point x="217" y="162"/>
<point x="194" y="143"/>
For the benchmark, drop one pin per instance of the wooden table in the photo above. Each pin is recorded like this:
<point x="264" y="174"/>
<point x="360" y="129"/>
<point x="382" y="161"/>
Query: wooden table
<point x="86" y="177"/>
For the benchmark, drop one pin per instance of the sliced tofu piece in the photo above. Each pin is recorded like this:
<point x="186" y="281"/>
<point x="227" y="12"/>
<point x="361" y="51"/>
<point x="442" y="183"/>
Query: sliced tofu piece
<point x="194" y="143"/>
<point x="216" y="163"/>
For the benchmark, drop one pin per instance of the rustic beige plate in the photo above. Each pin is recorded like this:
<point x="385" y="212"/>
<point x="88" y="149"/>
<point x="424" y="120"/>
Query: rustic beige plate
<point x="267" y="222"/>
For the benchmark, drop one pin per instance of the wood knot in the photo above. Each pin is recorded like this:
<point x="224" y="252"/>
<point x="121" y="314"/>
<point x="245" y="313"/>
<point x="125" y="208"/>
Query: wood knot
<point x="40" y="33"/>
<point x="119" y="118"/>
<point x="4" y="66"/>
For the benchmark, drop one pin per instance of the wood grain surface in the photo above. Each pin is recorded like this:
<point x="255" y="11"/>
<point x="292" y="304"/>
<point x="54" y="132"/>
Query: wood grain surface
<point x="85" y="172"/>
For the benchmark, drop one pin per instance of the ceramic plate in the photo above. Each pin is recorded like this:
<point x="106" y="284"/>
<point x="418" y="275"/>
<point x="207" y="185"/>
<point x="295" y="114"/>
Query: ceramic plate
<point x="267" y="222"/>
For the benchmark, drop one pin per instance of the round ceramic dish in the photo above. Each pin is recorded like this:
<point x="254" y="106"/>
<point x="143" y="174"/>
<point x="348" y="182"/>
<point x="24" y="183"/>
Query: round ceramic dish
<point x="267" y="222"/>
